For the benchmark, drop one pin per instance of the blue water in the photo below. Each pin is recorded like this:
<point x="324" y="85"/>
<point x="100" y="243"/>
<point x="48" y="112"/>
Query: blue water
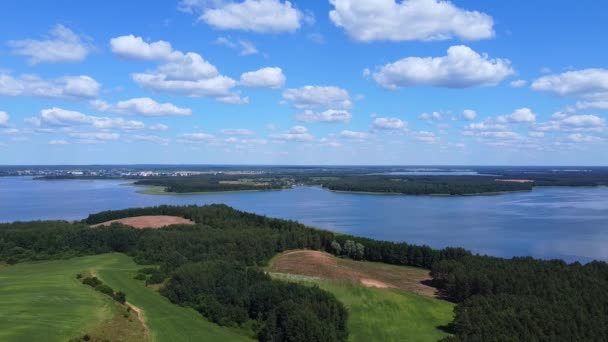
<point x="567" y="223"/>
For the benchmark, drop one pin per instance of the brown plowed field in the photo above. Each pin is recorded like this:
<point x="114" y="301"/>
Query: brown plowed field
<point x="141" y="222"/>
<point x="370" y="274"/>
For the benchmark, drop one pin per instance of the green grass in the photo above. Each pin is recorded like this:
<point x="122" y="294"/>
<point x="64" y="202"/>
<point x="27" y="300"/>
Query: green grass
<point x="166" y="321"/>
<point x="384" y="314"/>
<point x="390" y="315"/>
<point x="43" y="301"/>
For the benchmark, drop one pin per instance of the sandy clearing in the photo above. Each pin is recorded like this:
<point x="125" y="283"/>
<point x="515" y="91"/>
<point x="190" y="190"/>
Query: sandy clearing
<point x="374" y="283"/>
<point x="324" y="265"/>
<point x="141" y="222"/>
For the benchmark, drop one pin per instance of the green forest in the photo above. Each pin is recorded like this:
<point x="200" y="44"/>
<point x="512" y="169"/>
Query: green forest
<point x="215" y="268"/>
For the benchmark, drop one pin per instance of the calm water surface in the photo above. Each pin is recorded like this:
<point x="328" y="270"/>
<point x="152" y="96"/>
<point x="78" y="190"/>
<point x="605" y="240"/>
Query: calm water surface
<point x="568" y="223"/>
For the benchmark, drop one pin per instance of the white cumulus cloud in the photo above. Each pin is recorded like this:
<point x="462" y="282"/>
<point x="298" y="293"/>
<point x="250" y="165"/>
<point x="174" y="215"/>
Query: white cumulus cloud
<point x="181" y="73"/>
<point x="460" y="68"/>
<point x="67" y="87"/>
<point x="469" y="114"/>
<point x="426" y="20"/>
<point x="354" y="135"/>
<point x="522" y="115"/>
<point x="62" y="45"/>
<point x="133" y="47"/>
<point x="296" y="133"/>
<point x="237" y="131"/>
<point x="309" y="97"/>
<point x="328" y="116"/>
<point x="4" y="117"/>
<point x="261" y="16"/>
<point x="386" y="123"/>
<point x="269" y="77"/>
<point x="144" y="106"/>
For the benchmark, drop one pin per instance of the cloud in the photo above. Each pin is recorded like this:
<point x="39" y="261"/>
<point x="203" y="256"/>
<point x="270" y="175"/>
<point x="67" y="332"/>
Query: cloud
<point x="217" y="86"/>
<point x="67" y="87"/>
<point x="246" y="48"/>
<point x="237" y="131"/>
<point x="309" y="97"/>
<point x="503" y="135"/>
<point x="589" y="85"/>
<point x="583" y="120"/>
<point x="426" y="137"/>
<point x="152" y="138"/>
<point x="158" y="127"/>
<point x="58" y="142"/>
<point x="461" y="68"/>
<point x="61" y="117"/>
<point x="518" y="83"/>
<point x="270" y="77"/>
<point x="389" y="124"/>
<point x="469" y="114"/>
<point x="536" y="134"/>
<point x="296" y="133"/>
<point x="578" y="137"/>
<point x="522" y="115"/>
<point x="4" y="117"/>
<point x="196" y="138"/>
<point x="261" y="16"/>
<point x="144" y="106"/>
<point x="485" y="126"/>
<point x="585" y="83"/>
<point x="94" y="137"/>
<point x="571" y="123"/>
<point x="430" y="116"/>
<point x="62" y="45"/>
<point x="133" y="47"/>
<point x="353" y="135"/>
<point x="599" y="104"/>
<point x="181" y="73"/>
<point x="406" y="20"/>
<point x="328" y="116"/>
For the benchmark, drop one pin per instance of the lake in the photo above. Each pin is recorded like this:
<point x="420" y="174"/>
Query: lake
<point x="566" y="223"/>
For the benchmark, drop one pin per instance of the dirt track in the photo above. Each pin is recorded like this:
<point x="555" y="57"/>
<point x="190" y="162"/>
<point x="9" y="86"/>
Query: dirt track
<point x="141" y="222"/>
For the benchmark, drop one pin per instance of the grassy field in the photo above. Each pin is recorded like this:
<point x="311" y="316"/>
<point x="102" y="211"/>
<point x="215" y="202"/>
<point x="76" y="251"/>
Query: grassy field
<point x="389" y="314"/>
<point x="43" y="301"/>
<point x="394" y="313"/>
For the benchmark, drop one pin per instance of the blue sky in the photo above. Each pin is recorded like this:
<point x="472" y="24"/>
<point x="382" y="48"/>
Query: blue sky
<point x="303" y="82"/>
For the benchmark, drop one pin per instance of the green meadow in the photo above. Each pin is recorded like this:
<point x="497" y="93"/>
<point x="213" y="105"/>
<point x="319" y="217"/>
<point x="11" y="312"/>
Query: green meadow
<point x="376" y="314"/>
<point x="43" y="301"/>
<point x="390" y="315"/>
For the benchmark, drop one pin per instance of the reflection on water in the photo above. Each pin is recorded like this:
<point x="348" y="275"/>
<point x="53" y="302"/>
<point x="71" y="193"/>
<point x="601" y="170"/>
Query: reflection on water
<point x="568" y="223"/>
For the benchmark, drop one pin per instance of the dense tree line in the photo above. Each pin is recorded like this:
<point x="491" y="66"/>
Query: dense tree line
<point x="498" y="299"/>
<point x="424" y="185"/>
<point x="212" y="183"/>
<point x="525" y="299"/>
<point x="229" y="293"/>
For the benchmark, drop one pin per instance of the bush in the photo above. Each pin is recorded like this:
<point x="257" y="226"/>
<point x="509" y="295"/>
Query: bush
<point x="105" y="289"/>
<point x="140" y="276"/>
<point x="120" y="297"/>
<point x="91" y="281"/>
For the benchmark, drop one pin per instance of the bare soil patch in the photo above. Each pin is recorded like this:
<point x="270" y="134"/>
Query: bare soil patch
<point x="369" y="274"/>
<point x="141" y="222"/>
